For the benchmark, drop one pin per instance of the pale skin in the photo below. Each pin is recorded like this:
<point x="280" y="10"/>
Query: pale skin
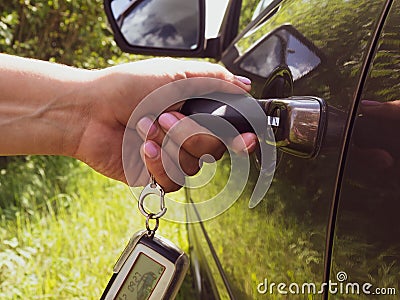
<point x="52" y="109"/>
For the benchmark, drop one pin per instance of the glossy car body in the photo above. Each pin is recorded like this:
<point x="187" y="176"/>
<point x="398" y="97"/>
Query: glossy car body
<point x="339" y="211"/>
<point x="330" y="218"/>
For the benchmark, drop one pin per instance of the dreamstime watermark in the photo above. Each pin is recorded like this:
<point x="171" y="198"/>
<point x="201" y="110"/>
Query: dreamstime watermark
<point x="338" y="287"/>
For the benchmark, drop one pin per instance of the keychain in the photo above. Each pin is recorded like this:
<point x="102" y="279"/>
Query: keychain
<point x="150" y="267"/>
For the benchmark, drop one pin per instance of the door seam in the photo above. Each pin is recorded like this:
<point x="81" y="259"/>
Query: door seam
<point x="345" y="147"/>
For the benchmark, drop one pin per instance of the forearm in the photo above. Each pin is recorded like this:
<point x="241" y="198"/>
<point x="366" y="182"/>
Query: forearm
<point x="42" y="110"/>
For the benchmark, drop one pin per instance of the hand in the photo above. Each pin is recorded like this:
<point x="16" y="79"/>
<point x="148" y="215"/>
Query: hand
<point x="188" y="158"/>
<point x="53" y="109"/>
<point x="115" y="93"/>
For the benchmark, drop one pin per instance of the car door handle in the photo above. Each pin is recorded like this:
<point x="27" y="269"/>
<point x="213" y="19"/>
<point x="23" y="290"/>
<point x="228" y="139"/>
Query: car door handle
<point x="298" y="123"/>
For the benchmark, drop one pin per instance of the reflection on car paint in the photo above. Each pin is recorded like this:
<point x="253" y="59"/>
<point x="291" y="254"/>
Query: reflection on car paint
<point x="284" y="46"/>
<point x="366" y="242"/>
<point x="283" y="239"/>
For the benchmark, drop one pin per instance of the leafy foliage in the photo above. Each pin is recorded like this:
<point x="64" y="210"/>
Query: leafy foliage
<point x="65" y="31"/>
<point x="55" y="241"/>
<point x="385" y="75"/>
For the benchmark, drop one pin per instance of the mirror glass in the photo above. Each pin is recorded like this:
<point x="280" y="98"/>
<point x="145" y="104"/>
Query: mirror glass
<point x="283" y="47"/>
<point x="171" y="24"/>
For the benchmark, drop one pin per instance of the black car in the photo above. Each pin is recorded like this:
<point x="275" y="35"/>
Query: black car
<point x="329" y="225"/>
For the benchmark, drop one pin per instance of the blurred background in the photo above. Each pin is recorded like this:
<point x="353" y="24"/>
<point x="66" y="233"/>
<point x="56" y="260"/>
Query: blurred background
<point x="63" y="226"/>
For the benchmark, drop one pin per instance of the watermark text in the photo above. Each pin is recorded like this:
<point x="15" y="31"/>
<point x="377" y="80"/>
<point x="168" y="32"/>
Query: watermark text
<point x="341" y="287"/>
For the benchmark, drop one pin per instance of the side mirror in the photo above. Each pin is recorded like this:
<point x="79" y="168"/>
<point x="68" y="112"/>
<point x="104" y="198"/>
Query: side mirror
<point x="158" y="27"/>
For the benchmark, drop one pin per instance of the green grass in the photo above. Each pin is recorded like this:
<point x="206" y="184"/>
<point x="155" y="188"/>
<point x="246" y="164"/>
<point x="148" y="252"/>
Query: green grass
<point x="60" y="241"/>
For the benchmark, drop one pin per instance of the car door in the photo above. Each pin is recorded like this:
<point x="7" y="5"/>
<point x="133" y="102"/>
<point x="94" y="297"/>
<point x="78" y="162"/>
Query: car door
<point x="366" y="246"/>
<point x="284" y="241"/>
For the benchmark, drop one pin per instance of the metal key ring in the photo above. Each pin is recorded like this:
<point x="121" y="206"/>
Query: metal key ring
<point x="151" y="232"/>
<point x="152" y="189"/>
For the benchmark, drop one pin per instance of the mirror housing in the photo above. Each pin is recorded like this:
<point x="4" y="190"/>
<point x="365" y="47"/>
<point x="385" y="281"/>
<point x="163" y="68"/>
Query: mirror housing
<point x="165" y="28"/>
<point x="216" y="25"/>
<point x="153" y="27"/>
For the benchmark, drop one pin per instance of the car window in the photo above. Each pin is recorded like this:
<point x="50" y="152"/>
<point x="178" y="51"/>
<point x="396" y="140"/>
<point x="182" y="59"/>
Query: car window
<point x="260" y="7"/>
<point x="247" y="12"/>
<point x="251" y="9"/>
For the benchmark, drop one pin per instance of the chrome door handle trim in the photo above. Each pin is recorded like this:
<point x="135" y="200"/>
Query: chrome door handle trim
<point x="299" y="124"/>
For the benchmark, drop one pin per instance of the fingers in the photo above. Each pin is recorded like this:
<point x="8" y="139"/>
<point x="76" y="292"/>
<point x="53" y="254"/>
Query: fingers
<point x="182" y="147"/>
<point x="244" y="144"/>
<point x="161" y="167"/>
<point x="169" y="165"/>
<point x="194" y="138"/>
<point x="149" y="129"/>
<point x="199" y="141"/>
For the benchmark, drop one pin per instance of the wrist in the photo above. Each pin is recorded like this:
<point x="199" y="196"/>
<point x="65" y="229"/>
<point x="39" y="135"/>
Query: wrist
<point x="78" y="111"/>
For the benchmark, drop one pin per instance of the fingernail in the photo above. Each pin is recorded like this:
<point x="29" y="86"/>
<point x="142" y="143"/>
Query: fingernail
<point x="370" y="103"/>
<point x="247" y="149"/>
<point x="147" y="127"/>
<point x="150" y="150"/>
<point x="249" y="141"/>
<point x="243" y="79"/>
<point x="167" y="120"/>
